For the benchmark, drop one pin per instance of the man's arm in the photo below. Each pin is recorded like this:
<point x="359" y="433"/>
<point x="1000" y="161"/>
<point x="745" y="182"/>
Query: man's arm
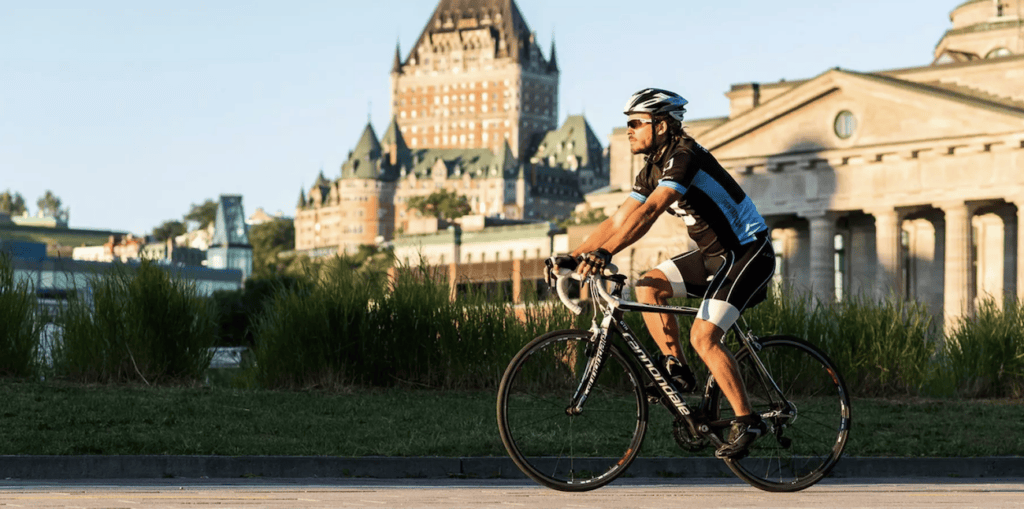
<point x="608" y="227"/>
<point x="641" y="219"/>
<point x="637" y="223"/>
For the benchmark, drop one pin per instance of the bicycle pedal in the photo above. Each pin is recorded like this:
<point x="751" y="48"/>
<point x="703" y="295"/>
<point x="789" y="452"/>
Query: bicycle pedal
<point x="736" y="457"/>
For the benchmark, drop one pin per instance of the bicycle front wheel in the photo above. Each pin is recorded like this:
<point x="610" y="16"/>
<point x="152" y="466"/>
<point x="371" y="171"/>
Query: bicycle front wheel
<point x="562" y="451"/>
<point x="808" y="416"/>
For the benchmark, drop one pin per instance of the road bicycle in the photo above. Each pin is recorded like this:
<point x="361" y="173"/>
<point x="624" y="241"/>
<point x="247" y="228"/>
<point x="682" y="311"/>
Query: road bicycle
<point x="573" y="404"/>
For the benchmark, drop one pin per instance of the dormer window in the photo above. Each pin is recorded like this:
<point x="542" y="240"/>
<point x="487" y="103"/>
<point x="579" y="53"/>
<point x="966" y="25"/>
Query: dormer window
<point x="998" y="52"/>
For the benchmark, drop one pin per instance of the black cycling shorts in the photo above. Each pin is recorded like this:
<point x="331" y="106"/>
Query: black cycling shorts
<point x="728" y="283"/>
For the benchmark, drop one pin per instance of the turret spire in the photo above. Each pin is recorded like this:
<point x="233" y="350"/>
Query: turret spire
<point x="553" y="61"/>
<point x="396" y="66"/>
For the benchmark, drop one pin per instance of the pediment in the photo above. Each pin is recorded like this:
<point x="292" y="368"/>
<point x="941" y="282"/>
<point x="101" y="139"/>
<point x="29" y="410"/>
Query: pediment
<point x="885" y="110"/>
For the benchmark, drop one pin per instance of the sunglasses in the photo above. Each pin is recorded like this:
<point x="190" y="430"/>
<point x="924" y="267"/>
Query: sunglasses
<point x="637" y="123"/>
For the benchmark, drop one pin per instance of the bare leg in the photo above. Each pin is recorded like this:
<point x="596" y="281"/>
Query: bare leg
<point x="706" y="340"/>
<point x="654" y="289"/>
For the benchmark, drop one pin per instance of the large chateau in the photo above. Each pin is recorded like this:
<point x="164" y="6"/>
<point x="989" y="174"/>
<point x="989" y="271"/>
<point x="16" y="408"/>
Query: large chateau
<point x="474" y="112"/>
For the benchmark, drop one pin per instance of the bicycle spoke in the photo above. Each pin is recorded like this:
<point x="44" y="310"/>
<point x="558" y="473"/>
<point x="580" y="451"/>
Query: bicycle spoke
<point x="534" y="395"/>
<point x="806" y="382"/>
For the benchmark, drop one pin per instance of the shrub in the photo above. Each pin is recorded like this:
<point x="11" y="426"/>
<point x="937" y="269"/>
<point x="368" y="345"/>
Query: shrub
<point x="352" y="326"/>
<point x="236" y="309"/>
<point x="138" y="325"/>
<point x="881" y="347"/>
<point x="307" y="334"/>
<point x="19" y="328"/>
<point x="984" y="354"/>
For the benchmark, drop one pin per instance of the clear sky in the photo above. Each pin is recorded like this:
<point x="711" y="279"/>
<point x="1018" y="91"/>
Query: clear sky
<point x="131" y="111"/>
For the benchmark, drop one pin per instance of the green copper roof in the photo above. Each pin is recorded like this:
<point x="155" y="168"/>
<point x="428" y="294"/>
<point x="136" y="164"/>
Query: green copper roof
<point x="472" y="162"/>
<point x="574" y="138"/>
<point x="393" y="136"/>
<point x="365" y="161"/>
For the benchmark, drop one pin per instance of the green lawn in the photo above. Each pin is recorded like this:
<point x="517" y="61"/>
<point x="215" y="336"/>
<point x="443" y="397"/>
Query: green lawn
<point x="60" y="419"/>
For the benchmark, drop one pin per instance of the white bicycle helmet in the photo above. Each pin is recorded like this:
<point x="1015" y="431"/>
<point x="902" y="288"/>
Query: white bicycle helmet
<point x="657" y="102"/>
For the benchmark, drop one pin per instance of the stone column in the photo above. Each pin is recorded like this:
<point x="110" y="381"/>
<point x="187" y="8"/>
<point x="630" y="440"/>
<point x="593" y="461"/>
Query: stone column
<point x="1020" y="248"/>
<point x="823" y="270"/>
<point x="1010" y="242"/>
<point x="887" y="249"/>
<point x="957" y="292"/>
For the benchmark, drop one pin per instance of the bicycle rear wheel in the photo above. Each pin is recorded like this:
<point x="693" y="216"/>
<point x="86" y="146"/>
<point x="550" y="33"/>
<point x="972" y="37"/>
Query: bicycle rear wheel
<point x="562" y="451"/>
<point x="809" y="422"/>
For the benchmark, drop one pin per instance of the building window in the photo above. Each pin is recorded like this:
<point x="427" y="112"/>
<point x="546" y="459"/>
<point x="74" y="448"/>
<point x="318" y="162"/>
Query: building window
<point x="840" y="266"/>
<point x="998" y="52"/>
<point x="845" y="124"/>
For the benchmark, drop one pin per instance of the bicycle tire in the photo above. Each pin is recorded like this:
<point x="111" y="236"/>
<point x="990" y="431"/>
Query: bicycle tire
<point x="798" y="450"/>
<point x="559" y="451"/>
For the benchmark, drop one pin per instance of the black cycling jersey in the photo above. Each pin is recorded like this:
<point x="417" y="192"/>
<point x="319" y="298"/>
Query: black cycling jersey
<point x="719" y="216"/>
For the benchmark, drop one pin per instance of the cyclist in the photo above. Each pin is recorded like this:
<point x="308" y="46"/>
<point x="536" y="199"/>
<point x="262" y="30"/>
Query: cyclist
<point x="730" y="268"/>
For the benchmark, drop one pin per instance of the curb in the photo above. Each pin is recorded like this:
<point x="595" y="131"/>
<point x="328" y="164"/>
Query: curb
<point x="150" y="467"/>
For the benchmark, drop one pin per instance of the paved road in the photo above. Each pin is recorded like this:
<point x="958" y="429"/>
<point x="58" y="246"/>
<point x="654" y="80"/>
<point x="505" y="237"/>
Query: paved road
<point x="641" y="493"/>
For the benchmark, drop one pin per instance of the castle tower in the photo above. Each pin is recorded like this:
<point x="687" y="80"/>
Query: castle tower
<point x="357" y="208"/>
<point x="474" y="79"/>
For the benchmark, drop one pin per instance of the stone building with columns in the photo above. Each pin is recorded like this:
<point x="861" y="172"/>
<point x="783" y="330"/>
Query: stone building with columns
<point x="906" y="182"/>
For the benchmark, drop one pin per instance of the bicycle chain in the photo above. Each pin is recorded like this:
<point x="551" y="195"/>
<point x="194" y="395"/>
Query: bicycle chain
<point x="685" y="439"/>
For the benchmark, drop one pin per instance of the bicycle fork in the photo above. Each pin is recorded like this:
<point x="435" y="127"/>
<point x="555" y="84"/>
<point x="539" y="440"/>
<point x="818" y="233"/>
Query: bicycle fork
<point x="596" y="351"/>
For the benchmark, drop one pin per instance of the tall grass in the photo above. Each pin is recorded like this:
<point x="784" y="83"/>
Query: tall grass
<point x="984" y="355"/>
<point x="360" y="327"/>
<point x="882" y="347"/>
<point x="140" y="325"/>
<point x="19" y="327"/>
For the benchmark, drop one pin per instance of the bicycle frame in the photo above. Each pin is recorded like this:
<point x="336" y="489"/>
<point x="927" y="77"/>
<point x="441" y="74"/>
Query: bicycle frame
<point x="613" y="307"/>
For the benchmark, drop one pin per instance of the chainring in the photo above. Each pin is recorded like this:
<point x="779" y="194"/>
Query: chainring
<point x="685" y="439"/>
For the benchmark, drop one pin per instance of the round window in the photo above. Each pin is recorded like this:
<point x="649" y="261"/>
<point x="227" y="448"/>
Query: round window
<point x="845" y="125"/>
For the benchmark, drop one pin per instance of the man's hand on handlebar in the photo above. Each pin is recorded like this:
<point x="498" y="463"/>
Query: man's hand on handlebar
<point x="559" y="262"/>
<point x="594" y="262"/>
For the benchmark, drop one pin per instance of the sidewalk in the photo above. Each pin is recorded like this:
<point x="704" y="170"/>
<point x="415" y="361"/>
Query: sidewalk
<point x="142" y="467"/>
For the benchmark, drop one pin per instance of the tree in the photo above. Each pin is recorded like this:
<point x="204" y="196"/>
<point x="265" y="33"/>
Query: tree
<point x="12" y="204"/>
<point x="591" y="216"/>
<point x="169" y="230"/>
<point x="203" y="214"/>
<point x="268" y="240"/>
<point x="441" y="204"/>
<point x="50" y="205"/>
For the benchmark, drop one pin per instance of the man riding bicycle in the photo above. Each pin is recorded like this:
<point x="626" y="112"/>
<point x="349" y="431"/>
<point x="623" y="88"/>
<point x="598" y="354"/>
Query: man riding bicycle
<point x="730" y="268"/>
